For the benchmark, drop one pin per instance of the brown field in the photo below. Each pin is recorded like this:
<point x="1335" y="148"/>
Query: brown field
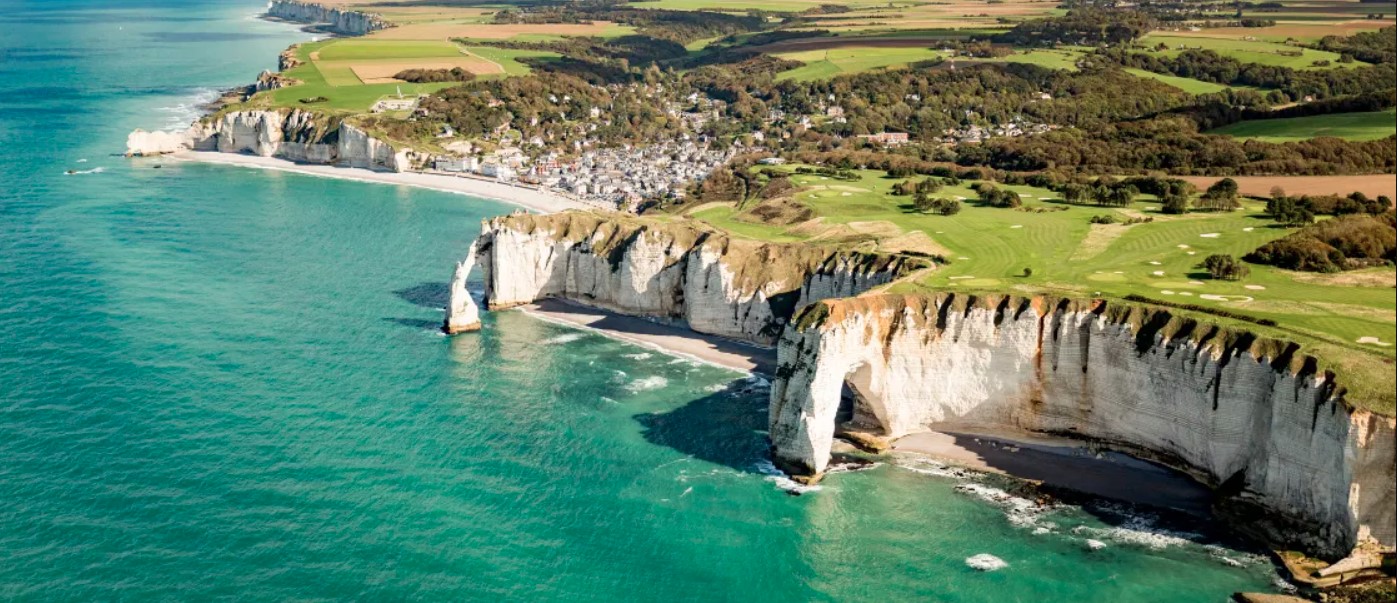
<point x="382" y="72"/>
<point x="1260" y="186"/>
<point x="1299" y="31"/>
<point x="941" y="15"/>
<point x="825" y="43"/>
<point x="485" y="31"/>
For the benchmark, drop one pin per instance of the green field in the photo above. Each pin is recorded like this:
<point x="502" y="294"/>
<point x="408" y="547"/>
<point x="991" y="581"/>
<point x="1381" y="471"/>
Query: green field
<point x="1060" y="59"/>
<point x="825" y="64"/>
<point x="1249" y="51"/>
<point x="366" y="48"/>
<point x="346" y="93"/>
<point x="1373" y="125"/>
<point x="1188" y="85"/>
<point x="508" y="58"/>
<point x="989" y="248"/>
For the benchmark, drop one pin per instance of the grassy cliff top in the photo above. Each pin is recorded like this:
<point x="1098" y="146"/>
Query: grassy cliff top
<point x="1363" y="381"/>
<point x="755" y="265"/>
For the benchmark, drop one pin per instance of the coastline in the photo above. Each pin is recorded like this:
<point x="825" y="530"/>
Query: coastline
<point x="672" y="340"/>
<point x="536" y="200"/>
<point x="1061" y="463"/>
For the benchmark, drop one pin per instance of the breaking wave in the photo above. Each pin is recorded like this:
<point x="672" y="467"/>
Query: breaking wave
<point x="986" y="562"/>
<point x="647" y="384"/>
<point x="783" y="481"/>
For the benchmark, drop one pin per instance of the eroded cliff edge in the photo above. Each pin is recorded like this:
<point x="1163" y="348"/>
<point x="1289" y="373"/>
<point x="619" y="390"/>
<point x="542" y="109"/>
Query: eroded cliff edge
<point x="1254" y="418"/>
<point x="291" y="134"/>
<point x="329" y="19"/>
<point x="672" y="271"/>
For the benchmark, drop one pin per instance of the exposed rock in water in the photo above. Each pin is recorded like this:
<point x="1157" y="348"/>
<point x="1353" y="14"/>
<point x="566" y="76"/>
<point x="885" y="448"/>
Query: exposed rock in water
<point x="1291" y="460"/>
<point x="462" y="315"/>
<point x="676" y="272"/>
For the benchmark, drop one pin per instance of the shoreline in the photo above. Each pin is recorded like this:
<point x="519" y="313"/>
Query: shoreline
<point x="536" y="200"/>
<point x="1060" y="462"/>
<point x="667" y="339"/>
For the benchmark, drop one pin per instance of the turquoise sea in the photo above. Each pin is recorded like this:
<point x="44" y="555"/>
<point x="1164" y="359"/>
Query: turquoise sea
<point x="221" y="383"/>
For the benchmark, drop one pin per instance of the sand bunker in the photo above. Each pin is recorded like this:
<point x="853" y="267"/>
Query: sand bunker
<point x="1211" y="235"/>
<point x="1225" y="298"/>
<point x="1255" y="287"/>
<point x="1373" y="341"/>
<point x="1158" y="273"/>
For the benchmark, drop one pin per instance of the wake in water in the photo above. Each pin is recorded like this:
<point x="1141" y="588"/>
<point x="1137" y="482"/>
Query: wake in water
<point x="96" y="170"/>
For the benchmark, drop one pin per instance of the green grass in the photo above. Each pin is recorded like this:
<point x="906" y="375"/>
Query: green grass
<point x="989" y="248"/>
<point x="508" y="58"/>
<point x="1373" y="125"/>
<point x="347" y="94"/>
<point x="739" y="6"/>
<point x="824" y="64"/>
<point x="363" y="48"/>
<point x="1060" y="59"/>
<point x="1249" y="51"/>
<point x="1188" y="85"/>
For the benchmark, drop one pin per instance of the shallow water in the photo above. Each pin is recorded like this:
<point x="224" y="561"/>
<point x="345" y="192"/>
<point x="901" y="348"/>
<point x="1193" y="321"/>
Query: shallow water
<point x="219" y="382"/>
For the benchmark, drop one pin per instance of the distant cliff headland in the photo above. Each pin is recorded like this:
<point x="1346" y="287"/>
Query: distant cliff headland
<point x="327" y="19"/>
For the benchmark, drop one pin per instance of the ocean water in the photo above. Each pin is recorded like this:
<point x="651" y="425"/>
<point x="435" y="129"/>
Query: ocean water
<point x="220" y="383"/>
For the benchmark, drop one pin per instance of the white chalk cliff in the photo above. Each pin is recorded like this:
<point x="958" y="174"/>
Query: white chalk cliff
<point x="462" y="315"/>
<point x="707" y="281"/>
<point x="345" y="22"/>
<point x="292" y="134"/>
<point x="1289" y="457"/>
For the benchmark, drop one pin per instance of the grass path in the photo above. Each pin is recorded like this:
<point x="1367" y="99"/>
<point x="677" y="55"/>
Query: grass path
<point x="1372" y="125"/>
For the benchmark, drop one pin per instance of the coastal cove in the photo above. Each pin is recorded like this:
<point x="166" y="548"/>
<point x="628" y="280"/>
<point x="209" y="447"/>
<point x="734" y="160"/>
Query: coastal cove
<point x="224" y="377"/>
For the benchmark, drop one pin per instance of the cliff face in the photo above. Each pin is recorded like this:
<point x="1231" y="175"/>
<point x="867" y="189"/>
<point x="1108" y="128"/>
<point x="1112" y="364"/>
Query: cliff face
<point x="292" y="134"/>
<point x="712" y="283"/>
<point x="344" y="22"/>
<point x="1248" y="416"/>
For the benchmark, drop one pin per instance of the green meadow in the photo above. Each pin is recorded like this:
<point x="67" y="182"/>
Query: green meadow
<point x="989" y="249"/>
<point x="343" y="90"/>
<point x="1188" y="85"/>
<point x="1371" y="125"/>
<point x="1249" y="51"/>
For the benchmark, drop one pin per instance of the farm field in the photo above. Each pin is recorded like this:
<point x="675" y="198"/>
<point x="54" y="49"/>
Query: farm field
<point x="1305" y="32"/>
<point x="824" y="64"/>
<point x="524" y="32"/>
<point x="1373" y="185"/>
<point x="1248" y="51"/>
<point x="1188" y="85"/>
<point x="352" y="74"/>
<point x="1371" y="125"/>
<point x="989" y="248"/>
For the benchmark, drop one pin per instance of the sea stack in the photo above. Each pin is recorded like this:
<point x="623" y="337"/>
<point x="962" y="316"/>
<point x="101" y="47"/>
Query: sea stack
<point x="462" y="314"/>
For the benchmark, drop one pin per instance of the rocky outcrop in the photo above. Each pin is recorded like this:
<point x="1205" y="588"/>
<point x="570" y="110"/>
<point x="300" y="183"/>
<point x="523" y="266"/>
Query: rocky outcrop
<point x="462" y="315"/>
<point x="271" y="80"/>
<point x="670" y="271"/>
<point x="292" y="134"/>
<point x="328" y="19"/>
<point x="1289" y="456"/>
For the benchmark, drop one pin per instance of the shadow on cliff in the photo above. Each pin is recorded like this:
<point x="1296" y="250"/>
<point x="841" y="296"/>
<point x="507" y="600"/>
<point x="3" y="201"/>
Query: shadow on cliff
<point x="427" y="295"/>
<point x="727" y="427"/>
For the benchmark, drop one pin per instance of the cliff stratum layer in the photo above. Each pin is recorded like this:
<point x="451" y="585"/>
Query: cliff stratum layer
<point x="325" y="18"/>
<point x="708" y="281"/>
<point x="1251" y="417"/>
<point x="291" y="134"/>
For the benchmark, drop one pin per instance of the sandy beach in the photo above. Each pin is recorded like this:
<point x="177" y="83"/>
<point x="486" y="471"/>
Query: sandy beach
<point x="1063" y="463"/>
<point x="673" y="340"/>
<point x="528" y="198"/>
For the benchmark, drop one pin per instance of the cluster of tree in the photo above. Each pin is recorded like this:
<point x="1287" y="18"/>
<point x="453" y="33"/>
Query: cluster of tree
<point x="429" y="76"/>
<point x="993" y="196"/>
<point x="1298" y="211"/>
<point x="836" y="172"/>
<point x="1210" y="115"/>
<point x="1367" y="46"/>
<point x="1293" y="84"/>
<point x="555" y="108"/>
<point x="1081" y="27"/>
<point x="925" y="186"/>
<point x="1114" y="219"/>
<point x="1343" y="243"/>
<point x="1225" y="267"/>
<point x="1173" y="145"/>
<point x="927" y="204"/>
